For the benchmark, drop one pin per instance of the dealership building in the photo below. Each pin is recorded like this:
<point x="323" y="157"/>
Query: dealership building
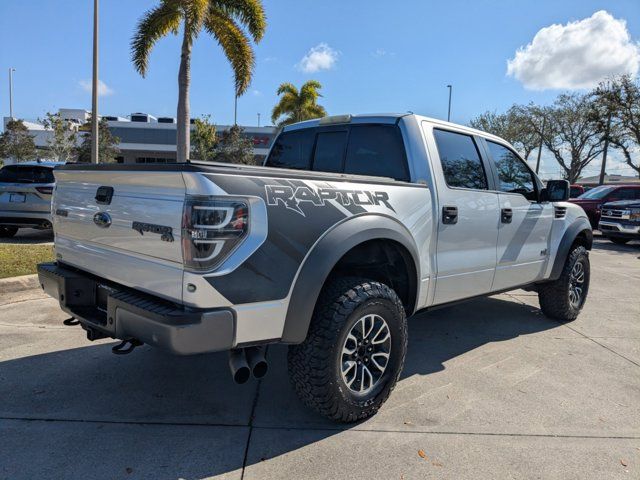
<point x="145" y="138"/>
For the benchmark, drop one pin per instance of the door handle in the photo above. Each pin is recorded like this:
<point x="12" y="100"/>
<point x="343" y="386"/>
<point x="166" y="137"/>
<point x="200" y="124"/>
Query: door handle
<point x="506" y="215"/>
<point x="449" y="215"/>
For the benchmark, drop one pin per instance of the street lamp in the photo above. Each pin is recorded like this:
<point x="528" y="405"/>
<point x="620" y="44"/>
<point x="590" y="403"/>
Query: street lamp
<point x="258" y="120"/>
<point x="11" y="70"/>
<point x="449" y="111"/>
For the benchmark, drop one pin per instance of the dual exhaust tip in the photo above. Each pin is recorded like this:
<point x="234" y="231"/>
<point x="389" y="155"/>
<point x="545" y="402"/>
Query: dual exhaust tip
<point x="245" y="362"/>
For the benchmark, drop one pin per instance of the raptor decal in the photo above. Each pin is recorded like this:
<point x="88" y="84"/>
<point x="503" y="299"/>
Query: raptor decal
<point x="292" y="197"/>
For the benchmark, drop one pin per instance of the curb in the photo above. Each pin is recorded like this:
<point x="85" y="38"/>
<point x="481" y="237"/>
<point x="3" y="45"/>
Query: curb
<point x="19" y="284"/>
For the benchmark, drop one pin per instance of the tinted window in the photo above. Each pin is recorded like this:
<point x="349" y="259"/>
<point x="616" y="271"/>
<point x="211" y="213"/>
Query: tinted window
<point x="460" y="159"/>
<point x="376" y="150"/>
<point x="329" y="151"/>
<point x="514" y="175"/>
<point x="17" y="174"/>
<point x="292" y="150"/>
<point x="627" y="193"/>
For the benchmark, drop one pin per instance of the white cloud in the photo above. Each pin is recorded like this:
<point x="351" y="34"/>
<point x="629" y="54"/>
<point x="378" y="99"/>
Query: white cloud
<point x="320" y="57"/>
<point x="576" y="55"/>
<point x="103" y="88"/>
<point x="256" y="93"/>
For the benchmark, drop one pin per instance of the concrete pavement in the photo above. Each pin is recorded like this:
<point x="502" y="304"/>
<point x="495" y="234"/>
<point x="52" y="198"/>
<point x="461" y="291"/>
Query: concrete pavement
<point x="491" y="389"/>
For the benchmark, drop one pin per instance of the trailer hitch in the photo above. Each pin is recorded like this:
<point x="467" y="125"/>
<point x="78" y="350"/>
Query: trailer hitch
<point x="126" y="346"/>
<point x="71" y="321"/>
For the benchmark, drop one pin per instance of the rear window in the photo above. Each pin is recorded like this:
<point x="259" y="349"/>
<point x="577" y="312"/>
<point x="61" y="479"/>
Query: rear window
<point x="293" y="150"/>
<point x="375" y="150"/>
<point x="18" y="174"/>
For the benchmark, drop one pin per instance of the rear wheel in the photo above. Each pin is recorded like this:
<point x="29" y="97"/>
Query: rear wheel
<point x="619" y="240"/>
<point x="8" y="232"/>
<point x="354" y="351"/>
<point x="563" y="298"/>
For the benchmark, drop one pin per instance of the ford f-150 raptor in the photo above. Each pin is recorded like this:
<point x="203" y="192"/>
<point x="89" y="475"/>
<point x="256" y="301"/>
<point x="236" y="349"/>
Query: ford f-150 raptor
<point x="353" y="224"/>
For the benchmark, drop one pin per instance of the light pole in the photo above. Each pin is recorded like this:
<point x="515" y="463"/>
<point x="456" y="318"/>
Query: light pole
<point x="258" y="120"/>
<point x="544" y="122"/>
<point x="235" y="110"/>
<point x="449" y="110"/>
<point x="94" y="89"/>
<point x="11" y="70"/>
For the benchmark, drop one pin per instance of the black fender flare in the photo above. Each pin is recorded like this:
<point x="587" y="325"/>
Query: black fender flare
<point x="326" y="254"/>
<point x="580" y="225"/>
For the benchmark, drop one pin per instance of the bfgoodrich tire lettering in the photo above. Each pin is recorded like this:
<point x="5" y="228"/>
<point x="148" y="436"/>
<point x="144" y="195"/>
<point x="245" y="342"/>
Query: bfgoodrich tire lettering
<point x="316" y="366"/>
<point x="563" y="298"/>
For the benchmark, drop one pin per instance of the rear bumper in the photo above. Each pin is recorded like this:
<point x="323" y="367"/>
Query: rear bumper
<point x="616" y="229"/>
<point x="111" y="310"/>
<point x="25" y="218"/>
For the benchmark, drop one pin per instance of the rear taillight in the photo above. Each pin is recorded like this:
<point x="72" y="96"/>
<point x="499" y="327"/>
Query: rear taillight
<point x="45" y="190"/>
<point x="212" y="228"/>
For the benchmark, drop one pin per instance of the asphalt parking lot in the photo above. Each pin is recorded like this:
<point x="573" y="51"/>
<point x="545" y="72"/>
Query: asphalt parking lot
<point x="491" y="389"/>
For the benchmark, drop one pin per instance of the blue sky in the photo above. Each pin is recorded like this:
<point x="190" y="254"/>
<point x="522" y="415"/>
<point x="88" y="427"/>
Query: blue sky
<point x="387" y="56"/>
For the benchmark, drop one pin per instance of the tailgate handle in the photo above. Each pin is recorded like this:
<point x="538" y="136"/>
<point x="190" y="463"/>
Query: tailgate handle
<point x="104" y="195"/>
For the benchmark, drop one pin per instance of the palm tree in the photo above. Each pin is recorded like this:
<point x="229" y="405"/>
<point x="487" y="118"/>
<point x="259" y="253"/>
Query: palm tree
<point x="298" y="106"/>
<point x="222" y="19"/>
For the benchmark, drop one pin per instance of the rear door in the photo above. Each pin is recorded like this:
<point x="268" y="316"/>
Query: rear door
<point x="525" y="224"/>
<point x="468" y="217"/>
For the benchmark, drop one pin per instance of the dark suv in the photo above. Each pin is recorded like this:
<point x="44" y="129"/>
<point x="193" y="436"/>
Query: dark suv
<point x="620" y="221"/>
<point x="592" y="200"/>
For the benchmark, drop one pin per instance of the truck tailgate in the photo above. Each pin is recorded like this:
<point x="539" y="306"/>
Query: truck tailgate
<point x="138" y="230"/>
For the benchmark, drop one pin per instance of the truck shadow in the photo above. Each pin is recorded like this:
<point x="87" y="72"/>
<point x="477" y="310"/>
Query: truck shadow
<point x="101" y="415"/>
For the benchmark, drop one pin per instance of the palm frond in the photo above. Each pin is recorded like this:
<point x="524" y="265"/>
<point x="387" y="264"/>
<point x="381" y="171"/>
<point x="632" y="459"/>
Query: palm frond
<point x="236" y="46"/>
<point x="309" y="91"/>
<point x="287" y="88"/>
<point x="249" y="13"/>
<point x="154" y="24"/>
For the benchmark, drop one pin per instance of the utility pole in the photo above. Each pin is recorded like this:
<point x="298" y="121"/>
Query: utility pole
<point x="603" y="167"/>
<point x="258" y="120"/>
<point x="94" y="89"/>
<point x="11" y="70"/>
<point x="449" y="111"/>
<point x="544" y="121"/>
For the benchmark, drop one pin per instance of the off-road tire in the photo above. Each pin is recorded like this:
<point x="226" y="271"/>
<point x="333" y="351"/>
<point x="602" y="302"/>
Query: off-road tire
<point x="8" y="232"/>
<point x="315" y="365"/>
<point x="619" y="240"/>
<point x="554" y="296"/>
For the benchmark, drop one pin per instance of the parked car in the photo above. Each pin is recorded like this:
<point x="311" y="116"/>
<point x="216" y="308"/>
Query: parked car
<point x="620" y="221"/>
<point x="25" y="196"/>
<point x="592" y="200"/>
<point x="576" y="190"/>
<point x="355" y="223"/>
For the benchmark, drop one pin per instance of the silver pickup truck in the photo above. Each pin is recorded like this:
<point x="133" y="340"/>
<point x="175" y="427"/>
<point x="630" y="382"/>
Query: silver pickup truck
<point x="354" y="224"/>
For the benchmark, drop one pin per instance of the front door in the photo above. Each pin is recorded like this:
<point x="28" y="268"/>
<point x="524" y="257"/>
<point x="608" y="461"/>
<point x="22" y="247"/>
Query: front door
<point x="468" y="219"/>
<point x="525" y="224"/>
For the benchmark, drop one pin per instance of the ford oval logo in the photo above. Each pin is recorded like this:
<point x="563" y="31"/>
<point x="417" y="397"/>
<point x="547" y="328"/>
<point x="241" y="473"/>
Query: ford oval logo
<point x="102" y="219"/>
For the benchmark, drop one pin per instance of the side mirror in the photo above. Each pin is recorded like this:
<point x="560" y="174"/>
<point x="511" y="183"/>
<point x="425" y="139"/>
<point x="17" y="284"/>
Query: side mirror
<point x="555" y="191"/>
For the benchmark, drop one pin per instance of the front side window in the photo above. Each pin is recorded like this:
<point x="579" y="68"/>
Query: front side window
<point x="376" y="150"/>
<point x="292" y="150"/>
<point x="461" y="163"/>
<point x="627" y="193"/>
<point x="514" y="175"/>
<point x="329" y="151"/>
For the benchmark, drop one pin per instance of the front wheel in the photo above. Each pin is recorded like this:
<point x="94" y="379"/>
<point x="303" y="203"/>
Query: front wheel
<point x="354" y="351"/>
<point x="8" y="232"/>
<point x="563" y="298"/>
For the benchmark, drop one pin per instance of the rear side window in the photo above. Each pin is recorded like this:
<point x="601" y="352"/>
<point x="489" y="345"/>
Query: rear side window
<point x="18" y="174"/>
<point x="376" y="150"/>
<point x="292" y="150"/>
<point x="461" y="163"/>
<point x="329" y="151"/>
<point x="514" y="175"/>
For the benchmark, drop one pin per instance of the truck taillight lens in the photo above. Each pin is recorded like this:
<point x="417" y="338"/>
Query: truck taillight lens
<point x="212" y="228"/>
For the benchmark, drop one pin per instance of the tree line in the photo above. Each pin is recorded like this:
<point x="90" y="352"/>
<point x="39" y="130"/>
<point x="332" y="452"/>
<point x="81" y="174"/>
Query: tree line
<point x="576" y="128"/>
